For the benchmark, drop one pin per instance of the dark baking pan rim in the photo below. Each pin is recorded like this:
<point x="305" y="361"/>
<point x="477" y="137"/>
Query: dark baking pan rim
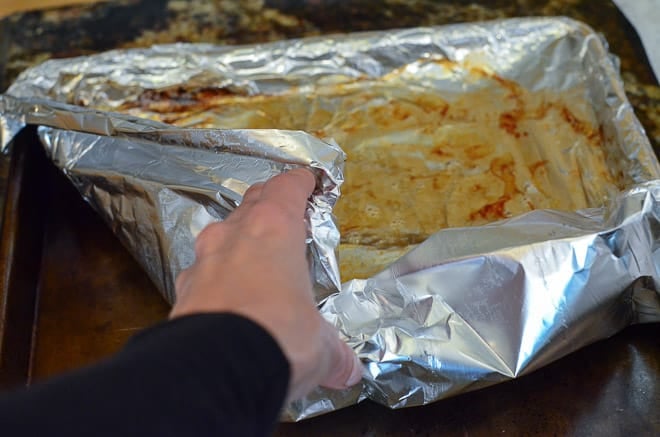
<point x="21" y="244"/>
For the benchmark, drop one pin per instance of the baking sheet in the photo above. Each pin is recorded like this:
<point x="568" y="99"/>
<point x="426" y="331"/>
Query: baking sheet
<point x="468" y="307"/>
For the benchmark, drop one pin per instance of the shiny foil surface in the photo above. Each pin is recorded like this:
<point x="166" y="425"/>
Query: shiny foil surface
<point x="468" y="307"/>
<point x="157" y="187"/>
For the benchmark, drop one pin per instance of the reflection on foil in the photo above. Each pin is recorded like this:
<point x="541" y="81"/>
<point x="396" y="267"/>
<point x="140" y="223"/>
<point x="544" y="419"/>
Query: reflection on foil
<point x="468" y="307"/>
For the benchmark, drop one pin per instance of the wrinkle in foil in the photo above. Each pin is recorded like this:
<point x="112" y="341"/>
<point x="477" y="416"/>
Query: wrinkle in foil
<point x="468" y="307"/>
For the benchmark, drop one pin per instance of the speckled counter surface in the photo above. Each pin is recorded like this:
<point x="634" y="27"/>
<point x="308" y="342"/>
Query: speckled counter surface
<point x="609" y="388"/>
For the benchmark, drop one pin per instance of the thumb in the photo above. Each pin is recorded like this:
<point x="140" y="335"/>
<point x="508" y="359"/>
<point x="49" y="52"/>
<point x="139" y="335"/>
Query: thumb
<point x="345" y="369"/>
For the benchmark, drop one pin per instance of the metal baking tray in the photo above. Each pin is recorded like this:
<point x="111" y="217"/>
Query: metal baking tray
<point x="74" y="295"/>
<point x="421" y="339"/>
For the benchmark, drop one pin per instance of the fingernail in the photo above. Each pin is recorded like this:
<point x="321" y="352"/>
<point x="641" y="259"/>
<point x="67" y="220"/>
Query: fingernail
<point x="356" y="373"/>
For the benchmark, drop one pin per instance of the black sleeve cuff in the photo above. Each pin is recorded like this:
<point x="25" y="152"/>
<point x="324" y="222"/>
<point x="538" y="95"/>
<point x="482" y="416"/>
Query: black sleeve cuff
<point x="206" y="374"/>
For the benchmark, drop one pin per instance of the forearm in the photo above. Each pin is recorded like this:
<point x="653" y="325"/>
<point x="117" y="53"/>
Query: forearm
<point x="213" y="374"/>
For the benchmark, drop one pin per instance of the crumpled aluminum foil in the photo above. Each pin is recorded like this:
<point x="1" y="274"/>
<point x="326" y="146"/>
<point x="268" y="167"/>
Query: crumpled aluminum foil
<point x="468" y="307"/>
<point x="529" y="51"/>
<point x="157" y="187"/>
<point x="471" y="307"/>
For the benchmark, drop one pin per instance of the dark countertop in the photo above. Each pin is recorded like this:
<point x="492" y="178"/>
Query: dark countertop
<point x="609" y="400"/>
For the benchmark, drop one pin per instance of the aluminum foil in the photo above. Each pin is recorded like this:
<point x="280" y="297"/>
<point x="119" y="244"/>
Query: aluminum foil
<point x="529" y="51"/>
<point x="475" y="306"/>
<point x="468" y="307"/>
<point x="158" y="187"/>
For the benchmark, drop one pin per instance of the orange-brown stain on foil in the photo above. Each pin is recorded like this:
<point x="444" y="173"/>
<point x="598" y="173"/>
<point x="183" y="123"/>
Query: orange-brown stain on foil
<point x="180" y="98"/>
<point x="502" y="168"/>
<point x="430" y="105"/>
<point x="537" y="166"/>
<point x="580" y="126"/>
<point x="351" y="129"/>
<point x="400" y="113"/>
<point x="492" y="211"/>
<point x="514" y="89"/>
<point x="445" y="62"/>
<point x="477" y="151"/>
<point x="439" y="151"/>
<point x="509" y="122"/>
<point x="377" y="113"/>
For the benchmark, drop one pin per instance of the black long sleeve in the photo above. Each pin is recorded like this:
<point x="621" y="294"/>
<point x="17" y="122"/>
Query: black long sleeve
<point x="207" y="374"/>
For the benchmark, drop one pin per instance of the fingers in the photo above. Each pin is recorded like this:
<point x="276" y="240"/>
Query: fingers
<point x="209" y="239"/>
<point x="287" y="192"/>
<point x="181" y="280"/>
<point x="290" y="190"/>
<point x="345" y="367"/>
<point x="253" y="194"/>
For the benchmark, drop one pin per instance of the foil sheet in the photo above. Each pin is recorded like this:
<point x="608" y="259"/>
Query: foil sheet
<point x="468" y="307"/>
<point x="157" y="187"/>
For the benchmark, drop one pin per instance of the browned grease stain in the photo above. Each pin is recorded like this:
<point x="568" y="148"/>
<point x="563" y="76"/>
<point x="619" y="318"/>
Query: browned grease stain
<point x="492" y="211"/>
<point x="509" y="123"/>
<point x="440" y="151"/>
<point x="400" y="113"/>
<point x="537" y="166"/>
<point x="430" y="106"/>
<point x="502" y="168"/>
<point x="477" y="151"/>
<point x="579" y="126"/>
<point x="180" y="99"/>
<point x="505" y="106"/>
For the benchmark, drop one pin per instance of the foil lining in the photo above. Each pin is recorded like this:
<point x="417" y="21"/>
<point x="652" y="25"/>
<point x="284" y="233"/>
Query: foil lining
<point x="467" y="308"/>
<point x="537" y="53"/>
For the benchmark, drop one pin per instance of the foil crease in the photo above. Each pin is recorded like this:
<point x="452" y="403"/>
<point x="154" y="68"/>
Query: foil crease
<point x="467" y="308"/>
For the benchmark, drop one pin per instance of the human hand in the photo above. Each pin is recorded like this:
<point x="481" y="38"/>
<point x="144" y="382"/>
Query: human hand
<point x="254" y="264"/>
